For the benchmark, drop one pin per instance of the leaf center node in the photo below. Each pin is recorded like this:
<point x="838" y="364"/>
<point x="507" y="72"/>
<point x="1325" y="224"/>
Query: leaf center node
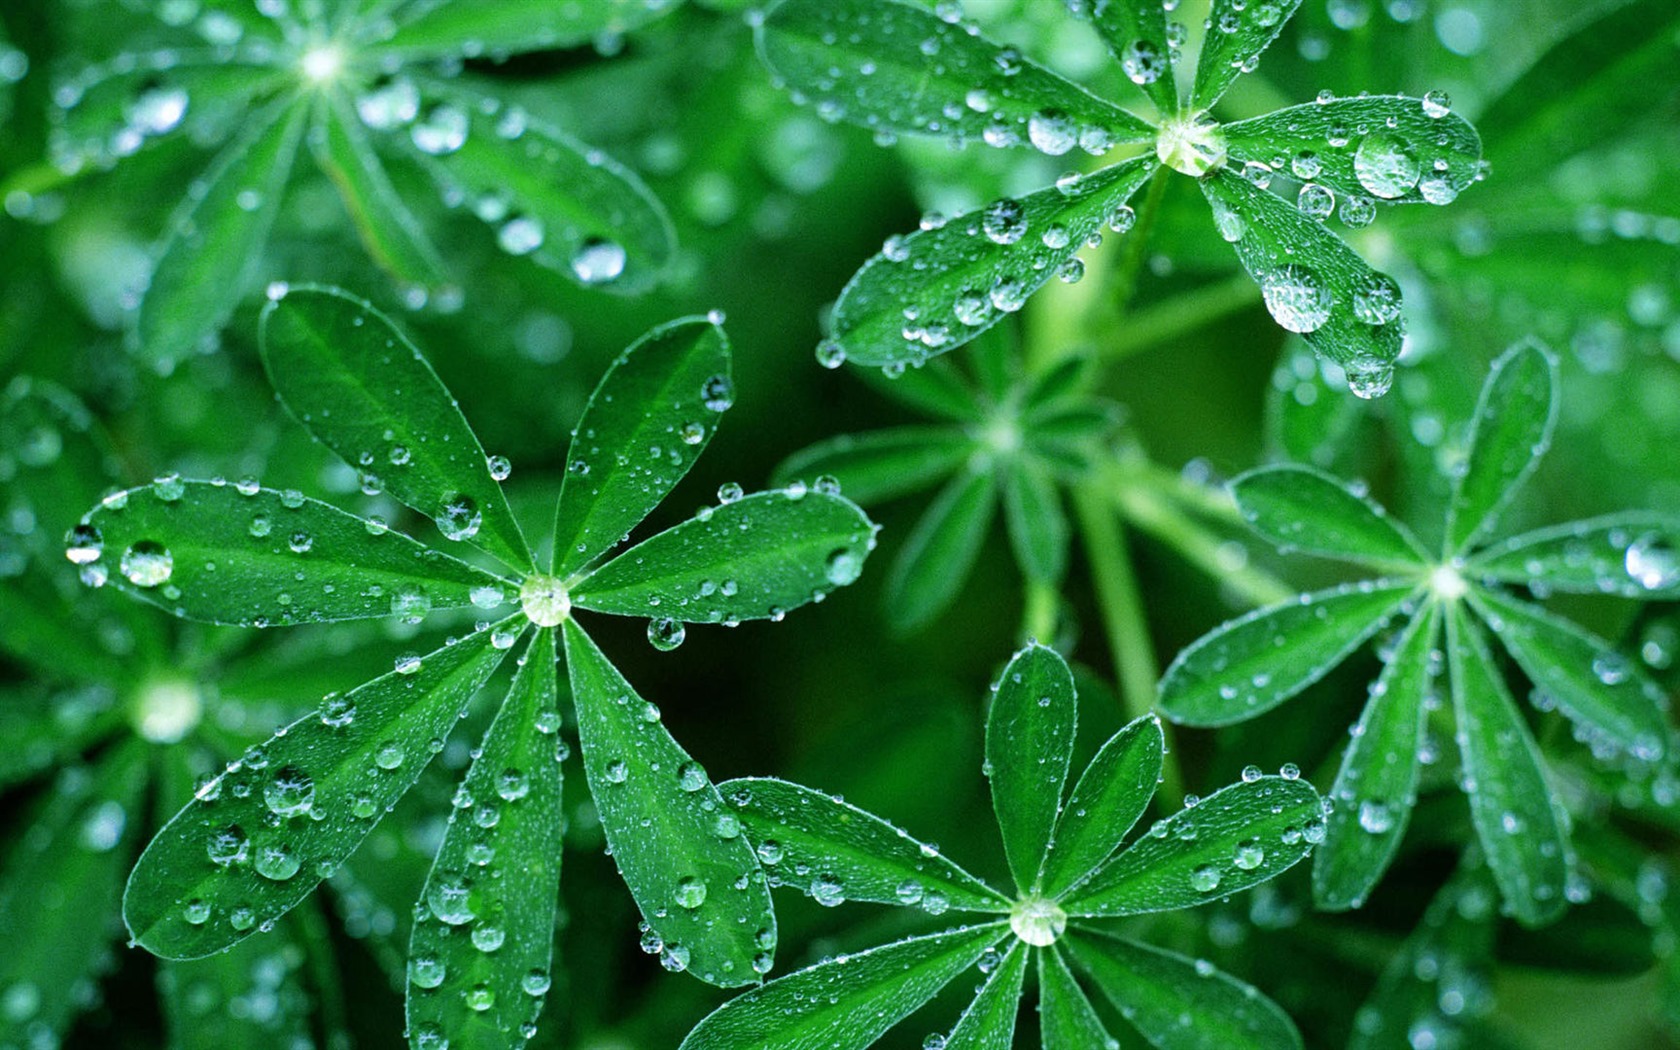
<point x="544" y="600"/>
<point x="1037" y="921"/>
<point x="166" y="709"/>
<point x="1448" y="583"/>
<point x="1191" y="144"/>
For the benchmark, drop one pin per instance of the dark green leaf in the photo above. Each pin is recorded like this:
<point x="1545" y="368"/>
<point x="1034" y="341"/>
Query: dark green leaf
<point x="210" y="255"/>
<point x="1038" y="530"/>
<point x="351" y="378"/>
<point x="1066" y="1018"/>
<point x="1236" y="838"/>
<point x="1512" y="429"/>
<point x="207" y="551"/>
<point x="487" y="932"/>
<point x="965" y="276"/>
<point x="1238" y="30"/>
<point x="1251" y="664"/>
<point x="650" y="417"/>
<point x="836" y="852"/>
<point x="1029" y="742"/>
<point x="1392" y="148"/>
<point x="937" y="389"/>
<point x="693" y="874"/>
<point x="257" y="839"/>
<point x="1311" y="282"/>
<point x="884" y="464"/>
<point x="473" y="28"/>
<point x="1635" y="554"/>
<point x="1136" y="34"/>
<point x="253" y="994"/>
<point x="935" y="560"/>
<point x="1377" y="784"/>
<point x="46" y="727"/>
<point x="1179" y="1003"/>
<point x="1606" y="694"/>
<point x="1108" y="799"/>
<point x="1299" y="508"/>
<point x="849" y="1001"/>
<point x="989" y="1021"/>
<point x="900" y="67"/>
<point x="755" y="558"/>
<point x="1521" y="826"/>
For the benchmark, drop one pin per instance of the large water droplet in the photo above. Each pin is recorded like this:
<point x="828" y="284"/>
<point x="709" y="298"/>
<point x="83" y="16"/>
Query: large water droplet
<point x="458" y="518"/>
<point x="290" y="792"/>
<point x="598" y="260"/>
<point x="1296" y="298"/>
<point x="147" y="564"/>
<point x="1384" y="166"/>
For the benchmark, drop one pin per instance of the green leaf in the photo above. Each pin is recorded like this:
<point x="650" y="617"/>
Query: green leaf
<point x="1066" y="1018"/>
<point x="1108" y="799"/>
<point x="207" y="551"/>
<point x="649" y="418"/>
<point x="1521" y="827"/>
<point x="898" y="66"/>
<point x="1311" y="282"/>
<point x="1136" y="34"/>
<point x="1251" y="664"/>
<point x="389" y="231"/>
<point x="474" y="28"/>
<point x="1236" y="838"/>
<point x="883" y="464"/>
<point x="351" y="378"/>
<point x="1377" y="784"/>
<point x="1299" y="508"/>
<point x="836" y="852"/>
<point x="965" y="276"/>
<point x="755" y="558"/>
<point x="1606" y="694"/>
<point x="1029" y="742"/>
<point x="936" y="559"/>
<point x="487" y="933"/>
<point x="210" y="255"/>
<point x="46" y="727"/>
<point x="258" y="839"/>
<point x="1038" y="530"/>
<point x="937" y="389"/>
<point x="1635" y="554"/>
<point x="1237" y="32"/>
<point x="253" y="994"/>
<point x="1179" y="1003"/>
<point x="58" y="889"/>
<point x="561" y="203"/>
<point x="989" y="1021"/>
<point x="1395" y="149"/>
<point x="1513" y="427"/>
<point x="849" y="1001"/>
<point x="693" y="874"/>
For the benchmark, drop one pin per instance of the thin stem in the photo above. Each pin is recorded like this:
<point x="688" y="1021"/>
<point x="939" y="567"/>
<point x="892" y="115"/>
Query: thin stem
<point x="1180" y="315"/>
<point x="1137" y="241"/>
<point x="1040" y="611"/>
<point x="1124" y="625"/>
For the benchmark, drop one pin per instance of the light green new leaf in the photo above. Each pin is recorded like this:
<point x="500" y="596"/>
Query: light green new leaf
<point x="1066" y="1018"/>
<point x="475" y="28"/>
<point x="1377" y="784"/>
<point x="1299" y="508"/>
<point x="389" y="231"/>
<point x="1513" y="427"/>
<point x="253" y="994"/>
<point x="487" y="932"/>
<point x="1396" y="149"/>
<point x="258" y="839"/>
<point x="935" y="560"/>
<point x="1310" y="281"/>
<point x="1136" y="34"/>
<point x="209" y="257"/>
<point x="1251" y="664"/>
<point x="649" y="418"/>
<point x="1107" y="800"/>
<point x="565" y="205"/>
<point x="1520" y="825"/>
<point x="1238" y="837"/>
<point x="834" y="851"/>
<point x="205" y="551"/>
<point x="847" y="1002"/>
<point x="1238" y="30"/>
<point x="883" y="464"/>
<point x="680" y="851"/>
<point x="900" y="67"/>
<point x="1038" y="530"/>
<point x="58" y="888"/>
<point x="1029" y="742"/>
<point x="989" y="1021"/>
<point x="363" y="390"/>
<point x="1635" y="554"/>
<point x="1179" y="1003"/>
<point x="753" y="559"/>
<point x="1605" y="693"/>
<point x="965" y="276"/>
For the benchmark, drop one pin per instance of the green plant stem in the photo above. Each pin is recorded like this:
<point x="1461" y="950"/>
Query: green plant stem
<point x="1137" y="242"/>
<point x="1124" y="624"/>
<point x="1179" y="315"/>
<point x="1040" y="611"/>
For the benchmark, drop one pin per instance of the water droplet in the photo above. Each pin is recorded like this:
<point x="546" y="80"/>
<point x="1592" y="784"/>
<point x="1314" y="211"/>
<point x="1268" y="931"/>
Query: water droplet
<point x="147" y="564"/>
<point x="1051" y="131"/>
<point x="520" y="235"/>
<point x="718" y="393"/>
<point x="227" y="845"/>
<point x="1368" y="377"/>
<point x="729" y="492"/>
<point x="276" y="862"/>
<point x="407" y="663"/>
<point x="1376" y="817"/>
<point x="1141" y="60"/>
<point x="1296" y="298"/>
<point x="487" y="938"/>
<point x="1376" y="299"/>
<point x="442" y="131"/>
<point x="692" y="777"/>
<point x="83" y="544"/>
<point x="1249" y="855"/>
<point x="618" y="771"/>
<point x="690" y="892"/>
<point x="1004" y="221"/>
<point x="458" y="518"/>
<point x="289" y="792"/>
<point x="1384" y="167"/>
<point x="828" y="891"/>
<point x="843" y="566"/>
<point x="1038" y="922"/>
<point x="1205" y="879"/>
<point x="196" y="911"/>
<point x="451" y="900"/>
<point x="389" y="755"/>
<point x="1436" y="104"/>
<point x="1652" y="561"/>
<point x="830" y="354"/>
<point x="427" y="971"/>
<point x="535" y="982"/>
<point x="598" y="260"/>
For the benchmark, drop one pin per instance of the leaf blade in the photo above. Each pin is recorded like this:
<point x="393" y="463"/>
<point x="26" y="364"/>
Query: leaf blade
<point x="1300" y="508"/>
<point x="1109" y="797"/>
<point x="1037" y="526"/>
<point x="989" y="1021"/>
<point x="440" y="28"/>
<point x="1515" y="416"/>
<point x="1631" y="554"/>
<point x="1067" y="1020"/>
<point x="882" y="464"/>
<point x="936" y="558"/>
<point x="1136" y="34"/>
<point x="1237" y="34"/>
<point x="1029" y="743"/>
